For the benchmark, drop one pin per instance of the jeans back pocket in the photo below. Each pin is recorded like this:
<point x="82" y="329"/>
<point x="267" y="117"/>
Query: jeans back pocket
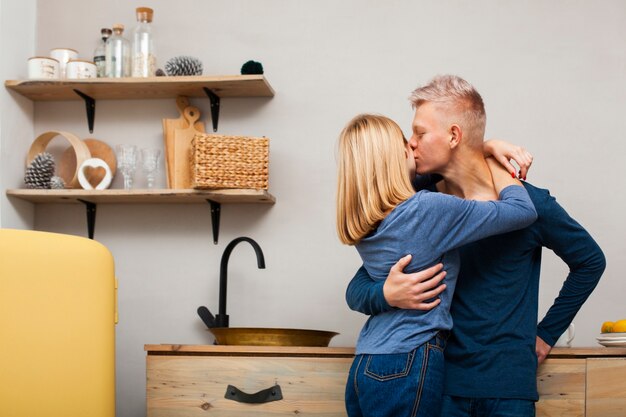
<point x="389" y="366"/>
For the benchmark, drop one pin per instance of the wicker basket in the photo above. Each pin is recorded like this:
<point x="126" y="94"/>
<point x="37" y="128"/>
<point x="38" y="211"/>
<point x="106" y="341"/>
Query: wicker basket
<point x="220" y="161"/>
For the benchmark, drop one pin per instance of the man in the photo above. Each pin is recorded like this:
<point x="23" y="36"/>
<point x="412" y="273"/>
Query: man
<point x="496" y="343"/>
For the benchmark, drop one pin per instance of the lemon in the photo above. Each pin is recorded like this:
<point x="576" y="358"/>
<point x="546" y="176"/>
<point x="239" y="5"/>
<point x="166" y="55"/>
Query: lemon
<point x="619" y="326"/>
<point x="607" y="327"/>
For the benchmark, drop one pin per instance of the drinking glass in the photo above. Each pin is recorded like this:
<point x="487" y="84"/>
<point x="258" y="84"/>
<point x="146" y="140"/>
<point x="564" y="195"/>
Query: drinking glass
<point x="150" y="163"/>
<point x="127" y="163"/>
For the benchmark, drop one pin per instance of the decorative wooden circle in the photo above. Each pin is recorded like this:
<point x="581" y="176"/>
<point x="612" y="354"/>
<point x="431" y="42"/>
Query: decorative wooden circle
<point x="80" y="149"/>
<point x="98" y="149"/>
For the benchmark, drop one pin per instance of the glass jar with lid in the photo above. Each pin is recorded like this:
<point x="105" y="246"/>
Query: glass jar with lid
<point x="143" y="51"/>
<point x="99" y="55"/>
<point x="117" y="60"/>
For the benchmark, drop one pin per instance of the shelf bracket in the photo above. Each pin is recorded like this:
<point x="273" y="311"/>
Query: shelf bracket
<point x="215" y="218"/>
<point x="91" y="217"/>
<point x="215" y="107"/>
<point x="90" y="106"/>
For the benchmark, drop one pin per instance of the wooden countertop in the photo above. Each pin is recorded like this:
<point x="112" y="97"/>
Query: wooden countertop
<point x="171" y="349"/>
<point x="217" y="350"/>
<point x="587" y="352"/>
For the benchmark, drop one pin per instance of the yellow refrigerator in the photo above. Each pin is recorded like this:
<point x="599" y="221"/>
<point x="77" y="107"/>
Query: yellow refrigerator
<point x="57" y="326"/>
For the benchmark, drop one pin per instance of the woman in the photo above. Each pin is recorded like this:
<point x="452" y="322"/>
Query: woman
<point x="400" y="352"/>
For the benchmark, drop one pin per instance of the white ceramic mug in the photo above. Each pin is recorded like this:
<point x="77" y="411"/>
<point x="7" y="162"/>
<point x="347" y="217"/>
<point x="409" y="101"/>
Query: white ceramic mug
<point x="43" y="67"/>
<point x="78" y="68"/>
<point x="567" y="337"/>
<point x="63" y="55"/>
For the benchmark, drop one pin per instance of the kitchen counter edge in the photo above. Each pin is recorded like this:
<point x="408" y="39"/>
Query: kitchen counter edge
<point x="177" y="349"/>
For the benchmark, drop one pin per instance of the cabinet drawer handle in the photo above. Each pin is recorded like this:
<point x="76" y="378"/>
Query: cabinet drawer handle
<point x="264" y="396"/>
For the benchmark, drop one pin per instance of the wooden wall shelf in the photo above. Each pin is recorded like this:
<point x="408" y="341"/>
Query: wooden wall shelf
<point x="91" y="198"/>
<point x="143" y="88"/>
<point x="143" y="196"/>
<point x="90" y="90"/>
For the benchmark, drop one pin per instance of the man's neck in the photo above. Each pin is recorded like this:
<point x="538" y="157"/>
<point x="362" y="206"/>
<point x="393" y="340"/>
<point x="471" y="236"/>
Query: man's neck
<point x="468" y="176"/>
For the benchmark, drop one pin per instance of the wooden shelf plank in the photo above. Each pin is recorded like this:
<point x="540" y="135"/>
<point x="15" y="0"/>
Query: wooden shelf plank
<point x="143" y="88"/>
<point x="144" y="196"/>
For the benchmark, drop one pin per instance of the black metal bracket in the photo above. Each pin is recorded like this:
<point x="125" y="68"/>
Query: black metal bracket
<point x="91" y="217"/>
<point x="91" y="209"/>
<point x="264" y="396"/>
<point x="215" y="107"/>
<point x="215" y="218"/>
<point x="90" y="106"/>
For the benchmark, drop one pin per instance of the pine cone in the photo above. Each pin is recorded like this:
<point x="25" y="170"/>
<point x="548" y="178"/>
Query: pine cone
<point x="57" y="183"/>
<point x="40" y="171"/>
<point x="183" y="65"/>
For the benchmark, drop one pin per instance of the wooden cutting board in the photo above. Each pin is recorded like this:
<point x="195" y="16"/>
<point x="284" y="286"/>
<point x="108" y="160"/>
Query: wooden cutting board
<point x="169" y="126"/>
<point x="182" y="148"/>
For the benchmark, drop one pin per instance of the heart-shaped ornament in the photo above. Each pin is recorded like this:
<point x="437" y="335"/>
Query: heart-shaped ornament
<point x="94" y="175"/>
<point x="91" y="166"/>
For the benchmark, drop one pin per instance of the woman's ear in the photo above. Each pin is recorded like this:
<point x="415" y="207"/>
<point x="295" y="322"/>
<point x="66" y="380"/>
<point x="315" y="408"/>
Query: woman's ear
<point x="456" y="135"/>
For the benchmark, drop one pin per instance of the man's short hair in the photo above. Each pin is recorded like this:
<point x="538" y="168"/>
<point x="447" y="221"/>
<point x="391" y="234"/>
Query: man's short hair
<point x="461" y="100"/>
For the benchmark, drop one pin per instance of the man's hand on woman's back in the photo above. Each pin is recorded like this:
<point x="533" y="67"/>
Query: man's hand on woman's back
<point x="416" y="291"/>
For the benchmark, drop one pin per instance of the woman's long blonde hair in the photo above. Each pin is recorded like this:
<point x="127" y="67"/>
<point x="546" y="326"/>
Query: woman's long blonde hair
<point x="372" y="175"/>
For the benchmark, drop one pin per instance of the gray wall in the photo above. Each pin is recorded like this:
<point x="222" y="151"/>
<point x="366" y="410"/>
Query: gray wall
<point x="551" y="74"/>
<point x="17" y="44"/>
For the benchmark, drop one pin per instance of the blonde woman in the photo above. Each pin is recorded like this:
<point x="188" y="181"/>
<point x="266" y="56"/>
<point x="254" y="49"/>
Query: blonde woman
<point x="398" y="367"/>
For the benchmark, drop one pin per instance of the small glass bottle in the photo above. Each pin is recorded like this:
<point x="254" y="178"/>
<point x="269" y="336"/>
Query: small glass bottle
<point x="99" y="55"/>
<point x="143" y="54"/>
<point x="117" y="57"/>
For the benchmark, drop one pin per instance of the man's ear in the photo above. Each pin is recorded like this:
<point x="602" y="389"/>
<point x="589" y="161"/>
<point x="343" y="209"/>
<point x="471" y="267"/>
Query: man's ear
<point x="456" y="136"/>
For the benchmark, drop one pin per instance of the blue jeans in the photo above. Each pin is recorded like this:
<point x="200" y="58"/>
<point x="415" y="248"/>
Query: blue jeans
<point x="486" y="407"/>
<point x="398" y="385"/>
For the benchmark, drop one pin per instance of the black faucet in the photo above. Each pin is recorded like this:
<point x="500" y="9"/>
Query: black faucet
<point x="221" y="320"/>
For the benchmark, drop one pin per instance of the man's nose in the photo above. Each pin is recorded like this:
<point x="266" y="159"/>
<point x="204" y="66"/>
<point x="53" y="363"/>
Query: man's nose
<point x="413" y="142"/>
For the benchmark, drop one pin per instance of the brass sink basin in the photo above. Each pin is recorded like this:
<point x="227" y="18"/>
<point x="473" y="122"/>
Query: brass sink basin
<point x="259" y="336"/>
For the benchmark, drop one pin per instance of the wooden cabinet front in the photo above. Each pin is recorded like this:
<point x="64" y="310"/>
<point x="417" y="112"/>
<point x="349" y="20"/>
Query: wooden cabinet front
<point x="606" y="387"/>
<point x="561" y="386"/>
<point x="583" y="382"/>
<point x="187" y="380"/>
<point x="193" y="385"/>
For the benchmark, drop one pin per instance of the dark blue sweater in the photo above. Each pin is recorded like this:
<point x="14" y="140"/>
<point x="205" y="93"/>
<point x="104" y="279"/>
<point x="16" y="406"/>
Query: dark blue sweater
<point x="491" y="352"/>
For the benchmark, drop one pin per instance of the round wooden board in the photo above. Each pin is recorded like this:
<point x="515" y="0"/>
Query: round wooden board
<point x="98" y="149"/>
